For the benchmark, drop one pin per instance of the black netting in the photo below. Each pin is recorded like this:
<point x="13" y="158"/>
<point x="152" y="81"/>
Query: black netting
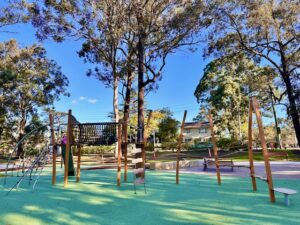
<point x="94" y="133"/>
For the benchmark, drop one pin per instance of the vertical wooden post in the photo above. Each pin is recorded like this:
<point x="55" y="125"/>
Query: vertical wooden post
<point x="179" y="147"/>
<point x="54" y="146"/>
<point x="124" y="147"/>
<point x="68" y="145"/>
<point x="119" y="152"/>
<point x="215" y="148"/>
<point x="78" y="163"/>
<point x="264" y="149"/>
<point x="145" y="134"/>
<point x="250" y="148"/>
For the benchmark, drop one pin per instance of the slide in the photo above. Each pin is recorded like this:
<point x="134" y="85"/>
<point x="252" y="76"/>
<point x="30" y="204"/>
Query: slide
<point x="71" y="171"/>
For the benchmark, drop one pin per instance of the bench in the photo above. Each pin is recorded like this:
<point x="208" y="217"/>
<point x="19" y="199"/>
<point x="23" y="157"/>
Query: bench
<point x="222" y="163"/>
<point x="273" y="154"/>
<point x="286" y="192"/>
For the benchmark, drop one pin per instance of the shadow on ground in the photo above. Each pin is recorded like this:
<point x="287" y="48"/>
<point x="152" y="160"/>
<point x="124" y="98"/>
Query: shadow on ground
<point x="197" y="200"/>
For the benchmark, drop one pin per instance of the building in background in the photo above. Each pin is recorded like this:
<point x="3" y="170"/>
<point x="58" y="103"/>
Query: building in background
<point x="196" y="132"/>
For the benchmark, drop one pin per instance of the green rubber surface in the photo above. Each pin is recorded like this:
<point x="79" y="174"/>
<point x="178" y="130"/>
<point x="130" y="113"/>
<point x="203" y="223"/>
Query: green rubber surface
<point x="196" y="200"/>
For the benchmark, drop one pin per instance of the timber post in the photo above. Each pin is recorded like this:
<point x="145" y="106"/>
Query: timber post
<point x="179" y="146"/>
<point x="215" y="148"/>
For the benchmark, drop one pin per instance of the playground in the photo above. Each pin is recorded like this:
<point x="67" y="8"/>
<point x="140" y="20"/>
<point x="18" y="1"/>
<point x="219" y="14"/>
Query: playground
<point x="197" y="200"/>
<point x="216" y="191"/>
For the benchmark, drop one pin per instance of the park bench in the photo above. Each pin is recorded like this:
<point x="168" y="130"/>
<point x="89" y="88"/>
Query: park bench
<point x="286" y="192"/>
<point x="273" y="154"/>
<point x="222" y="163"/>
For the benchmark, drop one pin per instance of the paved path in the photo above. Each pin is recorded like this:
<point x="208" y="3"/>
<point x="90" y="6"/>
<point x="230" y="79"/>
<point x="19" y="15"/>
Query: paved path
<point x="280" y="170"/>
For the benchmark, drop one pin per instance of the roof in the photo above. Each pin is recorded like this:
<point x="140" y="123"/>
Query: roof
<point x="195" y="124"/>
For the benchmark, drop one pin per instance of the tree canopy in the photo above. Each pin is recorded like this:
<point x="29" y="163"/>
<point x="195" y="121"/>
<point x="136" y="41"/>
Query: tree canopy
<point x="35" y="82"/>
<point x="267" y="31"/>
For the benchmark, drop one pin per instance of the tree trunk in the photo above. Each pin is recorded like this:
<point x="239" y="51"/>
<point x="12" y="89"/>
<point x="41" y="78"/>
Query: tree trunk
<point x="22" y="125"/>
<point x="292" y="106"/>
<point x="126" y="120"/>
<point x="278" y="139"/>
<point x="141" y="92"/>
<point x="116" y="105"/>
<point x="141" y="95"/>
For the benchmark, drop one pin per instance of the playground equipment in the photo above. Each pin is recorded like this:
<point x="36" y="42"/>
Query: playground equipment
<point x="27" y="169"/>
<point x="79" y="134"/>
<point x="35" y="169"/>
<point x="254" y="108"/>
<point x="215" y="148"/>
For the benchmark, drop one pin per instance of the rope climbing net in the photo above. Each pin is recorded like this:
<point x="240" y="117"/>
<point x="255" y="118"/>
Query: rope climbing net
<point x="99" y="133"/>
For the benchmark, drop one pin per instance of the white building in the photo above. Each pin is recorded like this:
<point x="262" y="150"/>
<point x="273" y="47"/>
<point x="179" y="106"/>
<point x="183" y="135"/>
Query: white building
<point x="199" y="131"/>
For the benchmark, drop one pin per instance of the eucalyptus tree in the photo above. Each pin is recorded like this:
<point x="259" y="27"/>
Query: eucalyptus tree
<point x="225" y="88"/>
<point x="12" y="12"/>
<point x="98" y="24"/>
<point x="37" y="82"/>
<point x="150" y="31"/>
<point x="266" y="30"/>
<point x="160" y="27"/>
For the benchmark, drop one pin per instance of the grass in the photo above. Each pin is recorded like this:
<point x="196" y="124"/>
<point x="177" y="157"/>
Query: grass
<point x="238" y="156"/>
<point x="196" y="200"/>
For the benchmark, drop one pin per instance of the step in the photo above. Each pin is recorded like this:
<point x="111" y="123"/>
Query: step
<point x="137" y="150"/>
<point x="138" y="171"/>
<point x="138" y="160"/>
<point x="139" y="181"/>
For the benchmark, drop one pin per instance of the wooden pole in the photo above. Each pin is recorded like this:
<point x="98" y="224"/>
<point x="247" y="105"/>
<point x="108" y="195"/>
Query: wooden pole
<point x="68" y="145"/>
<point x="264" y="149"/>
<point x="119" y="153"/>
<point x="124" y="147"/>
<point x="179" y="147"/>
<point x="78" y="163"/>
<point x="250" y="148"/>
<point x="215" y="148"/>
<point x="145" y="141"/>
<point x="54" y="146"/>
<point x="145" y="134"/>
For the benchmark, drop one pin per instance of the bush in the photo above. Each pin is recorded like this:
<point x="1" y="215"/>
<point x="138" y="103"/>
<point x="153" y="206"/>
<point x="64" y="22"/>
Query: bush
<point x="96" y="149"/>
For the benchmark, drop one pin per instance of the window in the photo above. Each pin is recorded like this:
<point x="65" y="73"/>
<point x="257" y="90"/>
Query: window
<point x="202" y="130"/>
<point x="187" y="131"/>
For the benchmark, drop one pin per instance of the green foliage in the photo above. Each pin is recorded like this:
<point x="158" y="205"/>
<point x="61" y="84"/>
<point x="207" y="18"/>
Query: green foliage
<point x="35" y="82"/>
<point x="168" y="129"/>
<point x="267" y="32"/>
<point x="225" y="88"/>
<point x="96" y="149"/>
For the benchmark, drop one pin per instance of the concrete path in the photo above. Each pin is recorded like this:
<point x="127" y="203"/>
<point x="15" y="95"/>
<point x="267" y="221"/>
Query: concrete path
<point x="280" y="170"/>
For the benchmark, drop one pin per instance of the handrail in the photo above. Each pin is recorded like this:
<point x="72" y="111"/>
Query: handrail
<point x="17" y="145"/>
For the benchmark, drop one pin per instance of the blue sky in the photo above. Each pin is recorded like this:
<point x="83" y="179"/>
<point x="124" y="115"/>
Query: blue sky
<point x="91" y="101"/>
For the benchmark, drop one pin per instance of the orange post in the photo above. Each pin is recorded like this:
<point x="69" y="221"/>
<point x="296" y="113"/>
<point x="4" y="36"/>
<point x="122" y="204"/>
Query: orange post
<point x="68" y="145"/>
<point x="78" y="163"/>
<point x="215" y="148"/>
<point x="179" y="147"/>
<point x="264" y="149"/>
<point x="51" y="119"/>
<point x="250" y="149"/>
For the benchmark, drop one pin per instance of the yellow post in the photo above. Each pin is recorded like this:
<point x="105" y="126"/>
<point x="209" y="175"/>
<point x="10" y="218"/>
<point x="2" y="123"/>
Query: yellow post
<point x="179" y="147"/>
<point x="264" y="149"/>
<point x="215" y="148"/>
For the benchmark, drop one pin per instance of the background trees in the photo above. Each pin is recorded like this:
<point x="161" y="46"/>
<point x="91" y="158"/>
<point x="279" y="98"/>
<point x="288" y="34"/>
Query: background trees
<point x="267" y="31"/>
<point x="225" y="88"/>
<point x="34" y="82"/>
